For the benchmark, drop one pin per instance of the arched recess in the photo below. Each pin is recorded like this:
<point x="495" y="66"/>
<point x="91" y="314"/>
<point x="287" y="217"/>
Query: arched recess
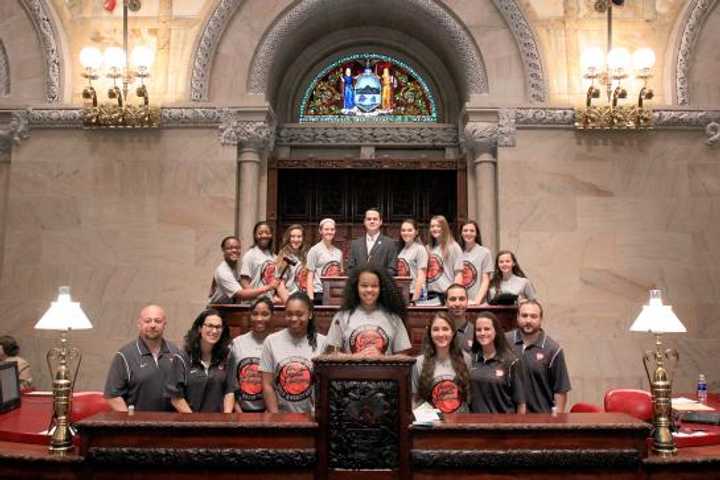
<point x="685" y="39"/>
<point x="46" y="28"/>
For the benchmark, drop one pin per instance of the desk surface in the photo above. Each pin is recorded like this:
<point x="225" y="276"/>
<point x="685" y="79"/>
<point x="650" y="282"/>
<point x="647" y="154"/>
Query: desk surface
<point x="29" y="423"/>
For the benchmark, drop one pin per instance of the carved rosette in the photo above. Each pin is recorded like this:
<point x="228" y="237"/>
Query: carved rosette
<point x="47" y="35"/>
<point x="699" y="11"/>
<point x="440" y="136"/>
<point x="17" y="130"/>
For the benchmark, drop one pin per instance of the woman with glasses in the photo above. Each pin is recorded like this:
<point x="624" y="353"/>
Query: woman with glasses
<point x="202" y="380"/>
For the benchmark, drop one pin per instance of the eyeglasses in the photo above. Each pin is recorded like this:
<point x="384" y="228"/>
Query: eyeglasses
<point x="212" y="327"/>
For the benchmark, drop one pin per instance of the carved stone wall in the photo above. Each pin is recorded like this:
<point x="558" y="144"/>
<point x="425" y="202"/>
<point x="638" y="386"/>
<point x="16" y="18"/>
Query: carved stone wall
<point x="4" y="71"/>
<point x="698" y="12"/>
<point x="47" y="33"/>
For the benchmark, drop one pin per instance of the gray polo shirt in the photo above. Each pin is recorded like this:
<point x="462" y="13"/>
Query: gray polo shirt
<point x="246" y="351"/>
<point x="496" y="385"/>
<point x="139" y="378"/>
<point x="546" y="371"/>
<point x="203" y="386"/>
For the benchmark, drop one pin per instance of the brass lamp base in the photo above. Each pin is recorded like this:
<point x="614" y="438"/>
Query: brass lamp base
<point x="661" y="388"/>
<point x="61" y="433"/>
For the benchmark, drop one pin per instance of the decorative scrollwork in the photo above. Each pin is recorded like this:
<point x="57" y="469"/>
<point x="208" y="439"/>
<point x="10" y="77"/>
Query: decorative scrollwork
<point x="127" y="116"/>
<point x="440" y="135"/>
<point x="4" y="71"/>
<point x="48" y="37"/>
<point x="712" y="130"/>
<point x="234" y="130"/>
<point x="699" y="11"/>
<point x="17" y="130"/>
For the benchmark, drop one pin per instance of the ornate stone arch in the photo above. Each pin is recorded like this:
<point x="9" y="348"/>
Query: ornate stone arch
<point x="49" y="38"/>
<point x="692" y="23"/>
<point x="4" y="71"/>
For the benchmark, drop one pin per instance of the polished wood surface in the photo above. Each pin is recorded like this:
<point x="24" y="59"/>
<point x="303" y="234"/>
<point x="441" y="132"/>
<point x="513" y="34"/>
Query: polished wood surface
<point x="334" y="289"/>
<point x="238" y="317"/>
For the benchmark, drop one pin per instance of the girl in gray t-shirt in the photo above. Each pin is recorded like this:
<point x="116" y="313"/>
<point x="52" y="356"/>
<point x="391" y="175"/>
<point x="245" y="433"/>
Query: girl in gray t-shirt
<point x="412" y="260"/>
<point x="444" y="255"/>
<point x="286" y="359"/>
<point x="323" y="260"/>
<point x="475" y="264"/>
<point x="293" y="274"/>
<point x="509" y="278"/>
<point x="258" y="264"/>
<point x="441" y="374"/>
<point x="370" y="320"/>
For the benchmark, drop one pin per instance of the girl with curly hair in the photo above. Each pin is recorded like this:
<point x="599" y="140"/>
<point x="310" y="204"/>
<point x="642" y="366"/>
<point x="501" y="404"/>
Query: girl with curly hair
<point x="202" y="380"/>
<point x="371" y="320"/>
<point x="443" y="263"/>
<point x="440" y="375"/>
<point x="290" y="264"/>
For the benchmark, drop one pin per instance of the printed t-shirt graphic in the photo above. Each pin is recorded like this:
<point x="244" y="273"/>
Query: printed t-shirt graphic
<point x="249" y="379"/>
<point x="402" y="267"/>
<point x="446" y="394"/>
<point x="469" y="274"/>
<point x="331" y="269"/>
<point x="366" y="336"/>
<point x="267" y="272"/>
<point x="294" y="377"/>
<point x="301" y="278"/>
<point x="435" y="267"/>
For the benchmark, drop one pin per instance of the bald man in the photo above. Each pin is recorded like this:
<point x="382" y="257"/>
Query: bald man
<point x="139" y="370"/>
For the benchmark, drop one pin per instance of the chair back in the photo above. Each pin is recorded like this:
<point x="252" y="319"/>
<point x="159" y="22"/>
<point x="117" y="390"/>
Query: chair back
<point x="637" y="403"/>
<point x="582" y="407"/>
<point x="86" y="404"/>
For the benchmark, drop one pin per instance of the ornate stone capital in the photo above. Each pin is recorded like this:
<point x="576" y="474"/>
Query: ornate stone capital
<point x="236" y="129"/>
<point x="506" y="127"/>
<point x="15" y="131"/>
<point x="479" y="137"/>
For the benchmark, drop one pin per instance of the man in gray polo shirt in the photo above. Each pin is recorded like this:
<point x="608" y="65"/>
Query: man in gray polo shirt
<point x="139" y="370"/>
<point x="456" y="300"/>
<point x="547" y="380"/>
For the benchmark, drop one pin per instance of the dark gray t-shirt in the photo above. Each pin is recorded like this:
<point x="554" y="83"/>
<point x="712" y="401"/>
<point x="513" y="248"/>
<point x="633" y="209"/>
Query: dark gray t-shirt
<point x="496" y="385"/>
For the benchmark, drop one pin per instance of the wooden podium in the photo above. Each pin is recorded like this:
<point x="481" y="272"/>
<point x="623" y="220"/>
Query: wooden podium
<point x="363" y="412"/>
<point x="333" y="288"/>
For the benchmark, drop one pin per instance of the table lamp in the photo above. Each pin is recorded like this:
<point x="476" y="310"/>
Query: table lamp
<point x="64" y="363"/>
<point x="657" y="318"/>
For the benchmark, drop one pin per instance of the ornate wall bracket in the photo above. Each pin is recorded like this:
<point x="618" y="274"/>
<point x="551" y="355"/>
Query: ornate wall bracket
<point x="15" y="131"/>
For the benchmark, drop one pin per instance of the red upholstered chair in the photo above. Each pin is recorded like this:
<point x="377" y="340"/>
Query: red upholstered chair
<point x="85" y="404"/>
<point x="582" y="407"/>
<point x="637" y="403"/>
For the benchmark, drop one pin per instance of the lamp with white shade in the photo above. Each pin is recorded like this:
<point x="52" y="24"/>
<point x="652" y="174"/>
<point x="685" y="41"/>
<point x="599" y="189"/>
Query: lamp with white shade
<point x="63" y="315"/>
<point x="657" y="319"/>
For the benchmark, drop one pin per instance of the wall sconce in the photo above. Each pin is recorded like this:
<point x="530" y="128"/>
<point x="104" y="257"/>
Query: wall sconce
<point x="120" y="114"/>
<point x="657" y="318"/>
<point x="64" y="363"/>
<point x="610" y="72"/>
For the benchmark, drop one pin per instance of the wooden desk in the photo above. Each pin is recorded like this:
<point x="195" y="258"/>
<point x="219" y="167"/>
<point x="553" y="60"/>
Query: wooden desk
<point x="238" y="317"/>
<point x="537" y="446"/>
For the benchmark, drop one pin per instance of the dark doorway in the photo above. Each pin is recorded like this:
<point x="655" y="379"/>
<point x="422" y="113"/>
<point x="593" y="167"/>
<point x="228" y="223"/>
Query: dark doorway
<point x="307" y="196"/>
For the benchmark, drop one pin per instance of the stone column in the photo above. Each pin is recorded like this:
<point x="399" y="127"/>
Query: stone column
<point x="480" y="144"/>
<point x="252" y="131"/>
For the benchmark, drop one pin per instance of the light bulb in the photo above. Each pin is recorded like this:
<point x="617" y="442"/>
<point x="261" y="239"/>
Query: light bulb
<point x="142" y="57"/>
<point x="618" y="58"/>
<point x="90" y="57"/>
<point x="115" y="58"/>
<point x="592" y="58"/>
<point x="643" y="59"/>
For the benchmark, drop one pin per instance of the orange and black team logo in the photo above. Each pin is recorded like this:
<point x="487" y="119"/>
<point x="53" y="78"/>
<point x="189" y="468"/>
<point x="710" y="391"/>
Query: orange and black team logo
<point x="366" y="336"/>
<point x="470" y="275"/>
<point x="301" y="278"/>
<point x="402" y="267"/>
<point x="249" y="379"/>
<point x="435" y="267"/>
<point x="331" y="269"/>
<point x="294" y="377"/>
<point x="267" y="272"/>
<point x="446" y="394"/>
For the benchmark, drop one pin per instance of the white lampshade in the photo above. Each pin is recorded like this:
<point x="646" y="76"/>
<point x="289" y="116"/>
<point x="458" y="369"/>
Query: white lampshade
<point x="657" y="318"/>
<point x="618" y="58"/>
<point x="114" y="58"/>
<point x="592" y="58"/>
<point x="64" y="314"/>
<point x="643" y="59"/>
<point x="142" y="57"/>
<point x="90" y="57"/>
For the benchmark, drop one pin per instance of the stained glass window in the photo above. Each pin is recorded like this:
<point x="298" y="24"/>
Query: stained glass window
<point x="367" y="87"/>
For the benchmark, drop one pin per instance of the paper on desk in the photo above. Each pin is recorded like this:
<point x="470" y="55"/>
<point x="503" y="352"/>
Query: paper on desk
<point x="689" y="434"/>
<point x="425" y="414"/>
<point x="683" y="404"/>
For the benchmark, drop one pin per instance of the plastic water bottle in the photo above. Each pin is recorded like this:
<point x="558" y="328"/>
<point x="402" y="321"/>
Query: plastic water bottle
<point x="702" y="389"/>
<point x="423" y="294"/>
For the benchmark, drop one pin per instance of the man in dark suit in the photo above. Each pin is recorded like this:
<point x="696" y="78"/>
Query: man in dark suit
<point x="373" y="247"/>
